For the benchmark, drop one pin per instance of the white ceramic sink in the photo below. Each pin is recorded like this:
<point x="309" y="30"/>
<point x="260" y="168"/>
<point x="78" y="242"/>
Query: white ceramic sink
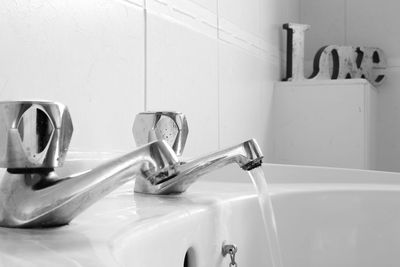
<point x="139" y="230"/>
<point x="325" y="217"/>
<point x="131" y="229"/>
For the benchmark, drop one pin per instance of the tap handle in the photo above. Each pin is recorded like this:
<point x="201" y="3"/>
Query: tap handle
<point x="171" y="127"/>
<point x="34" y="134"/>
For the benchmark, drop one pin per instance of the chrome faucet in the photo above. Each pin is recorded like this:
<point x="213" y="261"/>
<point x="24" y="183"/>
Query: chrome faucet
<point x="172" y="127"/>
<point x="34" y="140"/>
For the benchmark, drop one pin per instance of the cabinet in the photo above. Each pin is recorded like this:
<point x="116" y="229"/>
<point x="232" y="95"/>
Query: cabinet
<point x="325" y="123"/>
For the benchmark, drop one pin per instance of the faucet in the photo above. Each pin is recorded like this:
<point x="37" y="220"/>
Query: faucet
<point x="172" y="127"/>
<point x="35" y="138"/>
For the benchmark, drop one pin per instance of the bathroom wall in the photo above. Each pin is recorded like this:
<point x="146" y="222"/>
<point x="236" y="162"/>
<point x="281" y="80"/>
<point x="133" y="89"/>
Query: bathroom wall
<point x="370" y="23"/>
<point x="214" y="60"/>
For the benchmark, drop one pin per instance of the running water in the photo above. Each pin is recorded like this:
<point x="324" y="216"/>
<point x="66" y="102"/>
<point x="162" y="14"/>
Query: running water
<point x="259" y="181"/>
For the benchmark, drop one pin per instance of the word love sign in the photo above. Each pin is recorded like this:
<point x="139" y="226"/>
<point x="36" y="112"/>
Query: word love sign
<point x="333" y="61"/>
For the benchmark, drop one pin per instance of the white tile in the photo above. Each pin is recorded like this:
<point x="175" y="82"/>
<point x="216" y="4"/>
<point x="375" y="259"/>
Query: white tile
<point x="327" y="20"/>
<point x="182" y="76"/>
<point x="374" y="23"/>
<point x="211" y="5"/>
<point x="191" y="14"/>
<point x="388" y="130"/>
<point x="285" y="10"/>
<point x="90" y="56"/>
<point x="269" y="23"/>
<point x="85" y="54"/>
<point x="244" y="14"/>
<point x="260" y="34"/>
<point x="270" y="73"/>
<point x="246" y="86"/>
<point x="262" y="18"/>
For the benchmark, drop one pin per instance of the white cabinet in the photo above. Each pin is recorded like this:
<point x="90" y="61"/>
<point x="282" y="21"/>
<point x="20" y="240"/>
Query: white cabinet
<point x="325" y="123"/>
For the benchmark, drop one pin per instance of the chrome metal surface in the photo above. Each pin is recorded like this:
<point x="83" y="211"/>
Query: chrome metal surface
<point x="34" y="134"/>
<point x="228" y="249"/>
<point x="172" y="127"/>
<point x="247" y="155"/>
<point x="32" y="198"/>
<point x="169" y="126"/>
<point x="231" y="250"/>
<point x="35" y="140"/>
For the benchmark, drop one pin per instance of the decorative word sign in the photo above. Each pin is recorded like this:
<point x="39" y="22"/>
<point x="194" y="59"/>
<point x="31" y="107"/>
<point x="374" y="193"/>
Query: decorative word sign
<point x="333" y="61"/>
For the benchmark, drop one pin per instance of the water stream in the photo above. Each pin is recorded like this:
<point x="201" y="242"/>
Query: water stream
<point x="267" y="211"/>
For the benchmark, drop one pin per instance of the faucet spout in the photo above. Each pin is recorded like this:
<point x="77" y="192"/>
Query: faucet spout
<point x="31" y="198"/>
<point x="247" y="155"/>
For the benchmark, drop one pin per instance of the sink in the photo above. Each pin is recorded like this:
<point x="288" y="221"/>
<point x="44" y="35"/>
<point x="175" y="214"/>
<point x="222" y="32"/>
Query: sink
<point x="132" y="229"/>
<point x="325" y="217"/>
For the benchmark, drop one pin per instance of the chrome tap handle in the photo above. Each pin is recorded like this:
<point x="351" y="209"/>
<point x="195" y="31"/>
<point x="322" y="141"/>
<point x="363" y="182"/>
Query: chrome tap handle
<point x="34" y="134"/>
<point x="171" y="127"/>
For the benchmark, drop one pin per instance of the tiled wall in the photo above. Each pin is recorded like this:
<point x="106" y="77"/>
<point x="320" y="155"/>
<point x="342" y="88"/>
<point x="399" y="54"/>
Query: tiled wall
<point x="369" y="23"/>
<point x="214" y="60"/>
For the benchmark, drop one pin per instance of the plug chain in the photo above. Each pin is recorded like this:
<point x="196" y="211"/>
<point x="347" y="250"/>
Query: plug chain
<point x="231" y="250"/>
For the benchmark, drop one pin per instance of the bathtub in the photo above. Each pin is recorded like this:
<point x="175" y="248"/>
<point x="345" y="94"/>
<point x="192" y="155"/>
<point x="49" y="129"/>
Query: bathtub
<point x="324" y="217"/>
<point x="336" y="217"/>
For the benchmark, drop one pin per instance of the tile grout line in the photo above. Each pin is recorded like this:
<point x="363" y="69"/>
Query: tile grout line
<point x="345" y="22"/>
<point x="218" y="81"/>
<point x="145" y="54"/>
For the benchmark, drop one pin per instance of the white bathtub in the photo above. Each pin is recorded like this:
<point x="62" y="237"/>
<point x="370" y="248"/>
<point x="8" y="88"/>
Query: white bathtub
<point x="325" y="217"/>
<point x="336" y="217"/>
